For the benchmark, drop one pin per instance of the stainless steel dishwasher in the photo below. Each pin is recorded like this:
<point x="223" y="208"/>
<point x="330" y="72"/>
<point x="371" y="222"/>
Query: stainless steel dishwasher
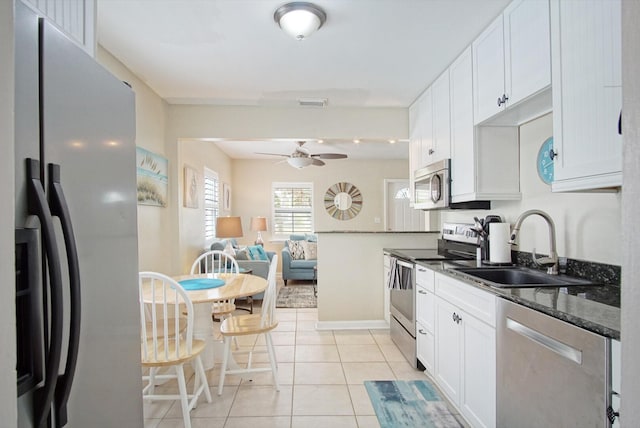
<point x="550" y="373"/>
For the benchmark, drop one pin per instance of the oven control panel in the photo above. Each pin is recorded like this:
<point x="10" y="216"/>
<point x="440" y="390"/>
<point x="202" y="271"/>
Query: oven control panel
<point x="460" y="232"/>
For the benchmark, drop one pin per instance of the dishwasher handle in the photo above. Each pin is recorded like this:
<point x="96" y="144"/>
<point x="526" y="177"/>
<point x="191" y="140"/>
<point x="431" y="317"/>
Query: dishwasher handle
<point x="556" y="346"/>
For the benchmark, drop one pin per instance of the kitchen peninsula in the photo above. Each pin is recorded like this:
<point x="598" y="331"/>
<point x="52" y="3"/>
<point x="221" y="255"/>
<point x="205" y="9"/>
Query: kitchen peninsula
<point x="351" y="286"/>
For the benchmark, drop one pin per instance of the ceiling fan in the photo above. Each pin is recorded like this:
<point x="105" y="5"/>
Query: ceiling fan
<point x="301" y="157"/>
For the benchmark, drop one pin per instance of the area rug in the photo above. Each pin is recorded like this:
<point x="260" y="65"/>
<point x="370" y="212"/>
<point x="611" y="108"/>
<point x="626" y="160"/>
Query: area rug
<point x="412" y="404"/>
<point x="296" y="296"/>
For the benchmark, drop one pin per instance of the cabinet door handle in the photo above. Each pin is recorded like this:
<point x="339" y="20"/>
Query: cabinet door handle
<point x="421" y="331"/>
<point x="431" y="151"/>
<point x="502" y="100"/>
<point x="455" y="317"/>
<point x="422" y="292"/>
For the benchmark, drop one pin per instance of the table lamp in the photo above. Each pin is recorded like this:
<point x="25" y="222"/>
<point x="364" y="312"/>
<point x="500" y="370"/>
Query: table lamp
<point x="259" y="224"/>
<point x="229" y="227"/>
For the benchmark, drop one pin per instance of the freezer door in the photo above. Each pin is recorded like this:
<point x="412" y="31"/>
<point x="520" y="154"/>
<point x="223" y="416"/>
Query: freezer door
<point x="88" y="121"/>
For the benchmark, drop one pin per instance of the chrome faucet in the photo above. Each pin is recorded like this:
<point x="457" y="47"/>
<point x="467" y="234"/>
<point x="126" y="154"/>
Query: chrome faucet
<point x="551" y="262"/>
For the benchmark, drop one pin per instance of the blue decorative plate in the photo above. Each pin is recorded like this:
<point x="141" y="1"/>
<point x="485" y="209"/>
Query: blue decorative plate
<point x="201" y="283"/>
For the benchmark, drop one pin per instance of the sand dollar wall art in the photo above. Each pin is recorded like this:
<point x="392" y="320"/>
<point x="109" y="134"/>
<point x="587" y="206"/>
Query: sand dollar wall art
<point x="343" y="201"/>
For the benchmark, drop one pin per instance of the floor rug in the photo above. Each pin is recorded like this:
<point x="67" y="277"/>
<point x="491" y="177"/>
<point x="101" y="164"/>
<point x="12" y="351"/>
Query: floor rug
<point x="297" y="296"/>
<point x="412" y="404"/>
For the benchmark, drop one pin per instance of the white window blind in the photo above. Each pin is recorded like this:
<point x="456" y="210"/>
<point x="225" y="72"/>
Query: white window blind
<point x="211" y="204"/>
<point x="292" y="209"/>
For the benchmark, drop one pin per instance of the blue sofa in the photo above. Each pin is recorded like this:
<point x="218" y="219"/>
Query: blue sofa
<point x="297" y="269"/>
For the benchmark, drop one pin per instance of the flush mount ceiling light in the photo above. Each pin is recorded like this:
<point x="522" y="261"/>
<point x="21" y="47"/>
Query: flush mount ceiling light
<point x="300" y="19"/>
<point x="299" y="162"/>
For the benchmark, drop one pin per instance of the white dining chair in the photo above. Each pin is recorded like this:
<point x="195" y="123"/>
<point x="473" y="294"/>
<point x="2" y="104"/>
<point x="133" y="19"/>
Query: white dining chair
<point x="166" y="334"/>
<point x="216" y="261"/>
<point x="253" y="324"/>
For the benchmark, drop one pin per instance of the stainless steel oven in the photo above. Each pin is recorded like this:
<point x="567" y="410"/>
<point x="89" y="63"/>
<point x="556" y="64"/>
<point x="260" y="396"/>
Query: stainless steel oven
<point x="402" y="284"/>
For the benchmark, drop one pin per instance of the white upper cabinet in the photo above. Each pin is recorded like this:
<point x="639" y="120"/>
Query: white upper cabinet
<point x="463" y="148"/>
<point x="587" y="94"/>
<point x="429" y="124"/>
<point x="77" y="19"/>
<point x="415" y="144"/>
<point x="511" y="64"/>
<point x="441" y="141"/>
<point x="425" y="123"/>
<point x="488" y="71"/>
<point x="484" y="160"/>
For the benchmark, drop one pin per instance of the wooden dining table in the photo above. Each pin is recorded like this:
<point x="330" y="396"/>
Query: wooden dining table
<point x="235" y="286"/>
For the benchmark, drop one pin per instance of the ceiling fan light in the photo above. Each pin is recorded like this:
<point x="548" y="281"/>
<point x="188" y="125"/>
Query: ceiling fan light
<point x="300" y="19"/>
<point x="299" y="162"/>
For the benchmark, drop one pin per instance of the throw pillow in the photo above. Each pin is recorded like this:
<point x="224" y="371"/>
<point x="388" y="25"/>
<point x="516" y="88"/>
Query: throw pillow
<point x="256" y="252"/>
<point x="310" y="250"/>
<point x="243" y="254"/>
<point x="296" y="249"/>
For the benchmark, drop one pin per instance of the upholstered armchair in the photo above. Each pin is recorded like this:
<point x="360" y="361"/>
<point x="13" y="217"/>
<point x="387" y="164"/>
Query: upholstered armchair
<point x="299" y="258"/>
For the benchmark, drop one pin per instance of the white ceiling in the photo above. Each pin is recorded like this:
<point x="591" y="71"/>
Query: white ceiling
<point x="369" y="53"/>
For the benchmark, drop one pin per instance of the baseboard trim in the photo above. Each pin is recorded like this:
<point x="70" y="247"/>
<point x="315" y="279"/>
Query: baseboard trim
<point x="352" y="325"/>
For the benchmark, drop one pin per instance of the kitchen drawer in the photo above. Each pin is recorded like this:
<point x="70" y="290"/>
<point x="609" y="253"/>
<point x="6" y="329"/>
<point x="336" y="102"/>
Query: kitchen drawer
<point x="479" y="303"/>
<point x="425" y="278"/>
<point x="425" y="343"/>
<point x="425" y="306"/>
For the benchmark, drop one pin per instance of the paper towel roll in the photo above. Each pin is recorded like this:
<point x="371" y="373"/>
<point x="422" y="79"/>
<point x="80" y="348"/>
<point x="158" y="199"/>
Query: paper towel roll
<point x="499" y="248"/>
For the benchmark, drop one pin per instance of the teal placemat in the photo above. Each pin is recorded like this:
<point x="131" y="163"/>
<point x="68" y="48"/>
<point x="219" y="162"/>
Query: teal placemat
<point x="201" y="283"/>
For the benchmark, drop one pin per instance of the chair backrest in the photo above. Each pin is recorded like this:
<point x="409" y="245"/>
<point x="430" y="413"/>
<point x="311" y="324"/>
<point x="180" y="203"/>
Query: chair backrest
<point x="162" y="331"/>
<point x="215" y="261"/>
<point x="270" y="295"/>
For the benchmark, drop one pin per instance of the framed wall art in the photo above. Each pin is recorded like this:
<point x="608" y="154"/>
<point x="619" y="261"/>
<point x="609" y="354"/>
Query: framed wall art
<point x="152" y="178"/>
<point x="226" y="196"/>
<point x="191" y="188"/>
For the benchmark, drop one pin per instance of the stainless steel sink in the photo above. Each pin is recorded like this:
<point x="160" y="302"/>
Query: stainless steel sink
<point x="519" y="277"/>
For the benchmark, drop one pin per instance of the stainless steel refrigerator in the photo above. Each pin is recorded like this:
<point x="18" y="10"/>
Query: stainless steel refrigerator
<point x="77" y="319"/>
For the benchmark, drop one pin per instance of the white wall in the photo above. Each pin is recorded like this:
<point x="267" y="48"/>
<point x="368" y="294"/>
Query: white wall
<point x="630" y="412"/>
<point x="198" y="155"/>
<point x="587" y="224"/>
<point x="8" y="401"/>
<point x="155" y="225"/>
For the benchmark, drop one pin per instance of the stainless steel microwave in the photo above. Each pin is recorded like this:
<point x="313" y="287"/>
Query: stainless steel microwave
<point x="433" y="186"/>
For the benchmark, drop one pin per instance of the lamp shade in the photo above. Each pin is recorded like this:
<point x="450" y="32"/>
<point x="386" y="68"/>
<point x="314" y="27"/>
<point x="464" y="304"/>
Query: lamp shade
<point x="259" y="224"/>
<point x="300" y="19"/>
<point x="228" y="227"/>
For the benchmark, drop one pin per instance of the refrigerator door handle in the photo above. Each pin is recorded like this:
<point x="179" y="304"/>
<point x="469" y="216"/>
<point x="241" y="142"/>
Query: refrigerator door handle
<point x="60" y="209"/>
<point x="37" y="205"/>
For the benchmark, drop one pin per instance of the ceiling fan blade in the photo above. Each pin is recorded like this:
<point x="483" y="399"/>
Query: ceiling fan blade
<point x="271" y="154"/>
<point x="317" y="162"/>
<point x="329" y="156"/>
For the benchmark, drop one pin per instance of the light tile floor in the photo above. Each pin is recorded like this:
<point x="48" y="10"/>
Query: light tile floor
<point x="321" y="375"/>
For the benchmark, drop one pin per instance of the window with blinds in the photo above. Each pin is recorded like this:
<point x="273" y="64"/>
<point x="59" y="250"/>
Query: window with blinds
<point x="292" y="209"/>
<point x="211" y="204"/>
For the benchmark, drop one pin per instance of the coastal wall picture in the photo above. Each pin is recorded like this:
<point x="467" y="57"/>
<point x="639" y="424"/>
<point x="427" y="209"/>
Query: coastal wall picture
<point x="190" y="187"/>
<point x="153" y="183"/>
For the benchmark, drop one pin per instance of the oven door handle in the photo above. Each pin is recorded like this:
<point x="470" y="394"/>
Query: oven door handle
<point x="405" y="264"/>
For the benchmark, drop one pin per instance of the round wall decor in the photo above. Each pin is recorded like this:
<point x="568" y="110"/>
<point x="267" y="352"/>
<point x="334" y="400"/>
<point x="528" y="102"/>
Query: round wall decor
<point x="544" y="161"/>
<point x="343" y="201"/>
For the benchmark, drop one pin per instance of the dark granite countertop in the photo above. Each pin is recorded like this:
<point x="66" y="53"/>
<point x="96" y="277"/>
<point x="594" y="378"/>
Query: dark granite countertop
<point x="595" y="308"/>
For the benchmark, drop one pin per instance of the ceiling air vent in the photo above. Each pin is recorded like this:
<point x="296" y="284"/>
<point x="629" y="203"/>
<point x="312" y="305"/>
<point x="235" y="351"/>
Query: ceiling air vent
<point x="312" y="102"/>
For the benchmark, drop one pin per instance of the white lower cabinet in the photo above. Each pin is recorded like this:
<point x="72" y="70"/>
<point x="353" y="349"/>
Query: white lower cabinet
<point x="425" y="317"/>
<point x="465" y="349"/>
